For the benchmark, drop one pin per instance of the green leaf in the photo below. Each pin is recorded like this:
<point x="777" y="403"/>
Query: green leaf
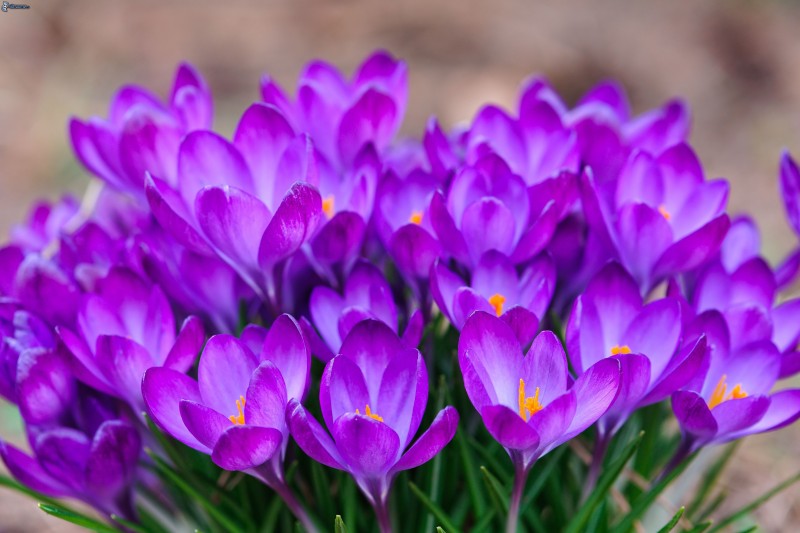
<point x="646" y="499"/>
<point x="6" y="481"/>
<point x="338" y="525"/>
<point x="440" y="530"/>
<point x="484" y="522"/>
<point x="211" y="508"/>
<point x="673" y="522"/>
<point x="322" y="489"/>
<point x="468" y="464"/>
<point x="440" y="515"/>
<point x="76" y="518"/>
<point x="129" y="525"/>
<point x="496" y="490"/>
<point x="710" y="477"/>
<point x="711" y="507"/>
<point x="540" y="477"/>
<point x="700" y="528"/>
<point x="755" y="504"/>
<point x="604" y="484"/>
<point x="749" y="529"/>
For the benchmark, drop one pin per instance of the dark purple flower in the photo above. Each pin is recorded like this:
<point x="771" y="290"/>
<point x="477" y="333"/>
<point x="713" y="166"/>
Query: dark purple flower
<point x="373" y="396"/>
<point x="660" y="217"/>
<point x="45" y="224"/>
<point x="235" y="411"/>
<point x="610" y="320"/>
<point x="20" y="333"/>
<point x="496" y="287"/>
<point x="125" y="328"/>
<point x="366" y="295"/>
<point x="141" y="133"/>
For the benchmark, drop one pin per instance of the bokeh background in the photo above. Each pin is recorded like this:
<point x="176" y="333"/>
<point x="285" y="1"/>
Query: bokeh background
<point x="736" y="62"/>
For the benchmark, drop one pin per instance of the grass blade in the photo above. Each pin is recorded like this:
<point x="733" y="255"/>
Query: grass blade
<point x="338" y="525"/>
<point x="76" y="518"/>
<point x="132" y="526"/>
<point x="710" y="479"/>
<point x="440" y="515"/>
<point x="673" y="522"/>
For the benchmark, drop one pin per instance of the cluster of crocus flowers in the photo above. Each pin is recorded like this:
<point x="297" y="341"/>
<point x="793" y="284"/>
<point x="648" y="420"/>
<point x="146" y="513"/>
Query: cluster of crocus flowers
<point x="578" y="254"/>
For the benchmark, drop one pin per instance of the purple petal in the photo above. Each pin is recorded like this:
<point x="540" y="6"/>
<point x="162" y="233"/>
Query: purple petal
<point x="706" y="202"/>
<point x="162" y="390"/>
<point x="784" y="408"/>
<point x="286" y="347"/>
<point x="204" y="423"/>
<point x="694" y="249"/>
<point x="446" y="229"/>
<point x="293" y="224"/>
<point x="366" y="286"/>
<point x="682" y="173"/>
<point x="693" y="414"/>
<point x="339" y="240"/>
<point x="495" y="274"/>
<point x="466" y="302"/>
<point x="224" y="372"/>
<point x="370" y="119"/>
<point x="244" y="447"/>
<point x="488" y="225"/>
<point x="343" y="390"/>
<point x="27" y="471"/>
<point x="655" y="333"/>
<point x="414" y="251"/>
<point x="149" y="142"/>
<point x="403" y="395"/>
<point x="644" y="235"/>
<point x="208" y="160"/>
<point x="552" y="422"/>
<point x="45" y="387"/>
<point x="124" y="363"/>
<point x="790" y="190"/>
<point x="413" y="333"/>
<point x="787" y="328"/>
<point x="738" y="414"/>
<point x="444" y="284"/>
<point x="191" y="98"/>
<point x="523" y="322"/>
<point x="508" y="428"/>
<point x="595" y="391"/>
<point x="310" y="436"/>
<point x="187" y="346"/>
<point x="325" y="308"/>
<point x="63" y="453"/>
<point x="538" y="235"/>
<point x="683" y="369"/>
<point x="96" y="146"/>
<point x="633" y="385"/>
<point x="113" y="457"/>
<point x="437" y="436"/>
<point x="372" y="344"/>
<point x="494" y="126"/>
<point x="368" y="446"/>
<point x="545" y="367"/>
<point x="169" y="208"/>
<point x="640" y="181"/>
<point x="266" y="398"/>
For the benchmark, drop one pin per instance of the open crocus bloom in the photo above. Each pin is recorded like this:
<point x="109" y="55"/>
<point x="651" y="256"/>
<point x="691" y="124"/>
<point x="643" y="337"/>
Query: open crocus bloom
<point x="367" y="295"/>
<point x="520" y="300"/>
<point x="141" y="133"/>
<point x="235" y="410"/>
<point x="733" y="399"/>
<point x="525" y="400"/>
<point x="661" y="216"/>
<point x="373" y="395"/>
<point x="610" y="320"/>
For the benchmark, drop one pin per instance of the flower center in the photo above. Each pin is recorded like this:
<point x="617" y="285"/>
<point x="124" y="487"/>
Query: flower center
<point x="528" y="405"/>
<point x="617" y="349"/>
<point x="416" y="217"/>
<point x="370" y="414"/>
<point x="664" y="213"/>
<point x="720" y="393"/>
<point x="497" y="300"/>
<point x="328" y="205"/>
<point x="238" y="419"/>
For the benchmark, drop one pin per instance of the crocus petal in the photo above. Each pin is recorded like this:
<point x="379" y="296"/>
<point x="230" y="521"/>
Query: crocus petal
<point x="243" y="447"/>
<point x="552" y="422"/>
<point x="266" y="398"/>
<point x="694" y="249"/>
<point x="29" y="472"/>
<point x="63" y="453"/>
<point x="45" y="387"/>
<point x="735" y="415"/>
<point x="191" y="98"/>
<point x="370" y="447"/>
<point x="224" y="372"/>
<point x="644" y="235"/>
<point x="446" y="229"/>
<point x="325" y="306"/>
<point x="162" y="390"/>
<point x="310" y="436"/>
<point x="366" y="286"/>
<point x="413" y="333"/>
<point x="595" y="391"/>
<point x="508" y="428"/>
<point x="124" y="362"/>
<point x="787" y="328"/>
<point x="339" y="239"/>
<point x="495" y="274"/>
<point x="465" y="302"/>
<point x="680" y="371"/>
<point x="535" y="238"/>
<point x="693" y="414"/>
<point x="414" y="250"/>
<point x="288" y="350"/>
<point x="370" y="119"/>
<point x="444" y="284"/>
<point x="88" y="142"/>
<point x="523" y="322"/>
<point x="204" y="423"/>
<point x="790" y="189"/>
<point x="343" y="390"/>
<point x="113" y="457"/>
<point x="784" y="408"/>
<point x="294" y="222"/>
<point x="405" y="378"/>
<point x="633" y="385"/>
<point x="206" y="159"/>
<point x="545" y="367"/>
<point x="655" y="333"/>
<point x="170" y="210"/>
<point x="148" y="142"/>
<point x="488" y="225"/>
<point x="371" y="344"/>
<point x="437" y="436"/>
<point x="187" y="346"/>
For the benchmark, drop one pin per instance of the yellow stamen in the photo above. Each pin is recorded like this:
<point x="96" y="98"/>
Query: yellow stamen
<point x="497" y="300"/>
<point x="720" y="393"/>
<point x="238" y="419"/>
<point x="664" y="213"/>
<point x="617" y="350"/>
<point x="328" y="205"/>
<point x="416" y="217"/>
<point x="528" y="405"/>
<point x="370" y="414"/>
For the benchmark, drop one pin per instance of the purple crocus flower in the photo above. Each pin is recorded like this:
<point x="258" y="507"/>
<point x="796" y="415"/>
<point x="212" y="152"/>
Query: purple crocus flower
<point x="496" y="287"/>
<point x="789" y="181"/>
<point x="367" y="295"/>
<point x="733" y="399"/>
<point x="125" y="328"/>
<point x="660" y="217"/>
<point x="21" y="333"/>
<point x="365" y="110"/>
<point x="249" y="202"/>
<point x="234" y="412"/>
<point x="373" y="395"/>
<point x="525" y="401"/>
<point x="611" y="321"/>
<point x="141" y="133"/>
<point x="45" y="224"/>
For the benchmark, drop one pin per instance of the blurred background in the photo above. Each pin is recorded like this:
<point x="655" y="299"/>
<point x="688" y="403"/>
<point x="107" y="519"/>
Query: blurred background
<point x="737" y="63"/>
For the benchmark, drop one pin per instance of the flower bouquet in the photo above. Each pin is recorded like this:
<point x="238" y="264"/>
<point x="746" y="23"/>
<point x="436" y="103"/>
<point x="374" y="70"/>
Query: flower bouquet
<point x="533" y="322"/>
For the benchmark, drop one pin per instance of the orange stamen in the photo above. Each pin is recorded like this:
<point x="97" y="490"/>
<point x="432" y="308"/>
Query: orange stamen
<point x="528" y="405"/>
<point x="238" y="419"/>
<point x="328" y="206"/>
<point x="497" y="300"/>
<point x="370" y="414"/>
<point x="617" y="350"/>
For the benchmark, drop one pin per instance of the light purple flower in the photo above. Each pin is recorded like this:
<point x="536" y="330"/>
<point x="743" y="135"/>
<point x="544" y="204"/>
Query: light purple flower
<point x="373" y="396"/>
<point x="496" y="287"/>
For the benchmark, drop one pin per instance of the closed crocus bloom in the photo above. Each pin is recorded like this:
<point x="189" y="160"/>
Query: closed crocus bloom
<point x="366" y="295"/>
<point x="21" y="333"/>
<point x="373" y="396"/>
<point x="734" y="398"/>
<point x="525" y="401"/>
<point x="124" y="328"/>
<point x="234" y="412"/>
<point x="367" y="109"/>
<point x="659" y="217"/>
<point x="141" y="133"/>
<point x="521" y="300"/>
<point x="248" y="201"/>
<point x="789" y="182"/>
